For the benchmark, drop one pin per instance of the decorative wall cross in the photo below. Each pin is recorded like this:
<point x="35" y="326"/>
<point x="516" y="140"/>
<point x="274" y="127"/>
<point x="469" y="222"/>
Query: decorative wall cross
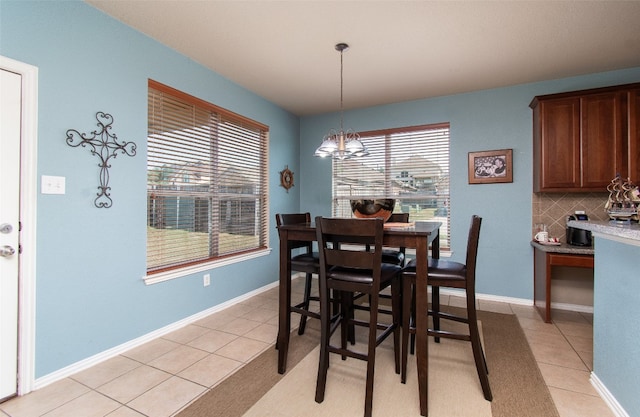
<point x="105" y="145"/>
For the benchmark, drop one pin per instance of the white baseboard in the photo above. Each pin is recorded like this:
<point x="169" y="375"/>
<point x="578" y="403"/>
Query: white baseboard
<point x="501" y="299"/>
<point x="117" y="350"/>
<point x="608" y="398"/>
<point x="572" y="307"/>
<point x="521" y="301"/>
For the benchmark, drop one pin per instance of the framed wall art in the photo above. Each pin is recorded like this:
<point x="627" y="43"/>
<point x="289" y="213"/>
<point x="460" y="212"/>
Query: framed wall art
<point x="491" y="166"/>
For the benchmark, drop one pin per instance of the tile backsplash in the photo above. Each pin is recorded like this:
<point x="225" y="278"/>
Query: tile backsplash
<point x="552" y="209"/>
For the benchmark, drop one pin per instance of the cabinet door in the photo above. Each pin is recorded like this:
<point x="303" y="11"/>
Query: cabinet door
<point x="633" y="100"/>
<point x="602" y="140"/>
<point x="560" y="144"/>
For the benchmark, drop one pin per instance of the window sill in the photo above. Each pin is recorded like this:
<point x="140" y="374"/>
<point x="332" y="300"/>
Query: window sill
<point x="182" y="272"/>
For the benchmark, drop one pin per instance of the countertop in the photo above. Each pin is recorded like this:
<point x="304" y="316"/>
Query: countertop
<point x="564" y="248"/>
<point x="616" y="230"/>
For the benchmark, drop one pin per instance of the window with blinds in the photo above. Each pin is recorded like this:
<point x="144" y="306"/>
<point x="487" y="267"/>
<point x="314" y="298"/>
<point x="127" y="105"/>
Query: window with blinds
<point x="409" y="164"/>
<point x="206" y="181"/>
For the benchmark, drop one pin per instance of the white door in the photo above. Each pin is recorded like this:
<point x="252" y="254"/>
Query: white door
<point x="10" y="117"/>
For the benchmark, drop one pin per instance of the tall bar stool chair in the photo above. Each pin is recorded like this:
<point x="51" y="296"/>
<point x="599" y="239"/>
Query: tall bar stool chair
<point x="345" y="270"/>
<point x="395" y="256"/>
<point x="443" y="273"/>
<point x="307" y="262"/>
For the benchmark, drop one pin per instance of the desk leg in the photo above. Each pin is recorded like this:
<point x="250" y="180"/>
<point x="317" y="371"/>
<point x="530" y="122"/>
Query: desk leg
<point x="422" y="304"/>
<point x="284" y="301"/>
<point x="542" y="284"/>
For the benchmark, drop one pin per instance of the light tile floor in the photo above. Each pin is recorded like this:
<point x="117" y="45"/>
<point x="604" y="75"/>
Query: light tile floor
<point x="162" y="377"/>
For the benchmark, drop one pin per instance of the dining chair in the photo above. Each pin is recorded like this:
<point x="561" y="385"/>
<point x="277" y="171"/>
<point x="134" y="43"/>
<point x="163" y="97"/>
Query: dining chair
<point x="307" y="262"/>
<point x="444" y="273"/>
<point x="395" y="255"/>
<point x="346" y="269"/>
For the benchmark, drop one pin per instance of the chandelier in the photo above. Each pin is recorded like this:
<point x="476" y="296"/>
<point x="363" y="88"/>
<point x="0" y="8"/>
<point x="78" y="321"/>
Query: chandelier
<point x="341" y="144"/>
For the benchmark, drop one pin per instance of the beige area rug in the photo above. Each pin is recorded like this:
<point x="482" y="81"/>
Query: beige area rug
<point x="454" y="390"/>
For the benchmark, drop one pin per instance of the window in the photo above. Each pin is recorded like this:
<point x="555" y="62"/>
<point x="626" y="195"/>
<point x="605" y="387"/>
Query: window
<point x="409" y="164"/>
<point x="206" y="182"/>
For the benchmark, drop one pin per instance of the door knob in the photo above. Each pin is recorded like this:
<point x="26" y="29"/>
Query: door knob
<point x="7" y="251"/>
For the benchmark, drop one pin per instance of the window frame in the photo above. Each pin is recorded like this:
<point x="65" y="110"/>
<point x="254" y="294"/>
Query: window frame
<point x="387" y="171"/>
<point x="220" y="119"/>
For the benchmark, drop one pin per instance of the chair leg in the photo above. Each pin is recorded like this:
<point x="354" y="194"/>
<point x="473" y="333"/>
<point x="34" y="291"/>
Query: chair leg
<point x="435" y="307"/>
<point x="307" y="295"/>
<point x="412" y="322"/>
<point x="346" y="315"/>
<point x="325" y="333"/>
<point x="371" y="357"/>
<point x="407" y="291"/>
<point x="476" y="345"/>
<point x="351" y="316"/>
<point x="396" y="311"/>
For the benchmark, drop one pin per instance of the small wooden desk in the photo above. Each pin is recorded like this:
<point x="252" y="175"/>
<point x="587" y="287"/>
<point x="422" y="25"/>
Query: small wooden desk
<point x="544" y="258"/>
<point x="419" y="236"/>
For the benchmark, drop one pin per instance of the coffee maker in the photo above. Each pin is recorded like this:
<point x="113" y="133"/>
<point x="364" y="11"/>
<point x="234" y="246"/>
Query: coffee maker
<point x="578" y="237"/>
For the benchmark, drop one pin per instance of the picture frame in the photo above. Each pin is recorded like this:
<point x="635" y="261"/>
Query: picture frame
<point x="489" y="167"/>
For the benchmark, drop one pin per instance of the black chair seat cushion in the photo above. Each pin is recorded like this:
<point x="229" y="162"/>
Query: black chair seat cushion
<point x="440" y="269"/>
<point x="390" y="256"/>
<point x="363" y="276"/>
<point x="306" y="258"/>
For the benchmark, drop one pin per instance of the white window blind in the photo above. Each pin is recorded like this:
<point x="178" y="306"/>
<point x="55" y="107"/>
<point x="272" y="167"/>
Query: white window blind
<point x="206" y="181"/>
<point x="409" y="164"/>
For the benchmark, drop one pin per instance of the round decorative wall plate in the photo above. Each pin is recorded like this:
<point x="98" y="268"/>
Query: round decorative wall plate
<point x="286" y="178"/>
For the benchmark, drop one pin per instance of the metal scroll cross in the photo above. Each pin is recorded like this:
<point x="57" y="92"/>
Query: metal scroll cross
<point x="105" y="145"/>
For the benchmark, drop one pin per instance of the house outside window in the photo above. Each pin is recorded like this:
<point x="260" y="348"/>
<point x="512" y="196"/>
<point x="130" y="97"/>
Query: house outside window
<point x="206" y="182"/>
<point x="408" y="164"/>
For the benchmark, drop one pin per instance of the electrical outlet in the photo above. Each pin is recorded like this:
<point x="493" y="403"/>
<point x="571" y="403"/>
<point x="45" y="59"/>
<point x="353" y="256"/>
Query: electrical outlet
<point x="206" y="280"/>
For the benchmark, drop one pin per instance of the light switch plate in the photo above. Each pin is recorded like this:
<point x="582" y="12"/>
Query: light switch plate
<point x="52" y="185"/>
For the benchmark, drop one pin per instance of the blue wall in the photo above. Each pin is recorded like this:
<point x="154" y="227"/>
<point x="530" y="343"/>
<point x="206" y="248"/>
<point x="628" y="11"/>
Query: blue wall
<point x="483" y="120"/>
<point x="90" y="294"/>
<point x="90" y="262"/>
<point x="616" y="321"/>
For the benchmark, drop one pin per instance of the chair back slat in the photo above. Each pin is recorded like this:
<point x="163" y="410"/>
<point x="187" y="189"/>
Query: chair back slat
<point x="472" y="249"/>
<point x="295" y="218"/>
<point x="399" y="218"/>
<point x="337" y="237"/>
<point x="358" y="259"/>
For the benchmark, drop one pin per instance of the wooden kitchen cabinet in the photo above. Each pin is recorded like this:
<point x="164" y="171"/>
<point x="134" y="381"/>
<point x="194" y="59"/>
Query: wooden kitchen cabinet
<point x="601" y="140"/>
<point x="633" y="103"/>
<point x="556" y="144"/>
<point x="582" y="140"/>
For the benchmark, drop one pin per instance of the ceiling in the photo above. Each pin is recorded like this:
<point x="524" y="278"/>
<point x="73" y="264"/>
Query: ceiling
<point x="399" y="50"/>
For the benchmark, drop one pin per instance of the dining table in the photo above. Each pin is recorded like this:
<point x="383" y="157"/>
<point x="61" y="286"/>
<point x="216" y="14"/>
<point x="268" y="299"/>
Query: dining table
<point x="418" y="235"/>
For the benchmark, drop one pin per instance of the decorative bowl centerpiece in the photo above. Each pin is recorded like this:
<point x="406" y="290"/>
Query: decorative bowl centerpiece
<point x="382" y="208"/>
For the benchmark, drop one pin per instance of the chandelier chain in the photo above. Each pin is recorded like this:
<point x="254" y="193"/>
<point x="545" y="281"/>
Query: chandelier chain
<point x="341" y="94"/>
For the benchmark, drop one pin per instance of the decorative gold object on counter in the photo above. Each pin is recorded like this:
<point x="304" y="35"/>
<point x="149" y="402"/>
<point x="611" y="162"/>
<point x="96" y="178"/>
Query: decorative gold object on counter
<point x="624" y="199"/>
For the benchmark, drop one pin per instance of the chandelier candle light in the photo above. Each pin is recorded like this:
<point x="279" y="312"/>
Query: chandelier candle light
<point x="341" y="145"/>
